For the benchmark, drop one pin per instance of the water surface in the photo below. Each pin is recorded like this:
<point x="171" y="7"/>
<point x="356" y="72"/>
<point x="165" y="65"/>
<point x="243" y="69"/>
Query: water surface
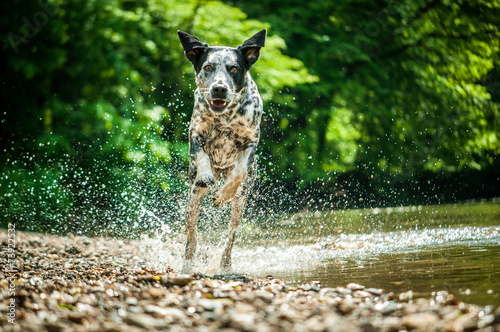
<point x="423" y="249"/>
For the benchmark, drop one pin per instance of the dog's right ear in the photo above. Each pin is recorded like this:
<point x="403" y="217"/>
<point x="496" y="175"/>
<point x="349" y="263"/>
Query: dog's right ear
<point x="193" y="48"/>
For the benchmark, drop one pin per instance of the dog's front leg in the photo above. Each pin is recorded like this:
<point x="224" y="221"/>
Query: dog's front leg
<point x="201" y="160"/>
<point x="201" y="178"/>
<point x="234" y="180"/>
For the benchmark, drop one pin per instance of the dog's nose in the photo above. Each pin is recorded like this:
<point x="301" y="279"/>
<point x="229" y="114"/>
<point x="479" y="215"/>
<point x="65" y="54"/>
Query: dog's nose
<point x="219" y="91"/>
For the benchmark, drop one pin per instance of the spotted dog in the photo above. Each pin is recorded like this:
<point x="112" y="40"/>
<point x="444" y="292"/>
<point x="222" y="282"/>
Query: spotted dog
<point x="223" y="133"/>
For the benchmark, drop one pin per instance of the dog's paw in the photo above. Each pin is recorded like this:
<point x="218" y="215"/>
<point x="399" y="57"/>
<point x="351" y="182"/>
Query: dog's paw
<point x="187" y="267"/>
<point x="204" y="181"/>
<point x="225" y="264"/>
<point x="220" y="197"/>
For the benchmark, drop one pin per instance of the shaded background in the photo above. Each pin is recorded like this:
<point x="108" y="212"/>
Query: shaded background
<point x="367" y="103"/>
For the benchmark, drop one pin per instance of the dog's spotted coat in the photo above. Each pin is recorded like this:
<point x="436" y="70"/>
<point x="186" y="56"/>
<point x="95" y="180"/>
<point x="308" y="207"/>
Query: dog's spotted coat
<point x="224" y="131"/>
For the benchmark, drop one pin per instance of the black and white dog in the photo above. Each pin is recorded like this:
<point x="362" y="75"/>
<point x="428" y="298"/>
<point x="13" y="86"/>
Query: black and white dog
<point x="223" y="133"/>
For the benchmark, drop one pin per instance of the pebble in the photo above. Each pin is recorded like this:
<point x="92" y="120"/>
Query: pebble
<point x="375" y="291"/>
<point x="145" y="321"/>
<point x="180" y="280"/>
<point x="355" y="287"/>
<point x="210" y="305"/>
<point x="242" y="322"/>
<point x="75" y="284"/>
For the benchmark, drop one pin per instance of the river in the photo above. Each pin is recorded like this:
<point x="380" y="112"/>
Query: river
<point x="420" y="248"/>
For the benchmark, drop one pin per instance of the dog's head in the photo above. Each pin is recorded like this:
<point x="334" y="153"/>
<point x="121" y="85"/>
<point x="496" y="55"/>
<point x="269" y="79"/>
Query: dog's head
<point x="221" y="71"/>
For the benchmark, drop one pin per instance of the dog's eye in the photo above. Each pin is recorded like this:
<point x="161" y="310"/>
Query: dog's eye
<point x="234" y="70"/>
<point x="208" y="68"/>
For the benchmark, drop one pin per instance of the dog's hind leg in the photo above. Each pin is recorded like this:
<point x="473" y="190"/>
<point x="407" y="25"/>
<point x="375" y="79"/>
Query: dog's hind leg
<point x="237" y="177"/>
<point x="238" y="206"/>
<point x="237" y="209"/>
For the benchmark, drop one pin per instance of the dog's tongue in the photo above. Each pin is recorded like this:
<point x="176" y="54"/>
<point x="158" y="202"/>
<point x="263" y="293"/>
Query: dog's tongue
<point x="218" y="102"/>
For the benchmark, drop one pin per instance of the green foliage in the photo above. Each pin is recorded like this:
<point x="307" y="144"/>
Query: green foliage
<point x="97" y="97"/>
<point x="405" y="87"/>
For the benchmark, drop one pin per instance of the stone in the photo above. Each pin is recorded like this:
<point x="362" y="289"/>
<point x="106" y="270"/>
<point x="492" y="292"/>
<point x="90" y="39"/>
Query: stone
<point x="420" y="321"/>
<point x="210" y="305"/>
<point x="375" y="291"/>
<point x="354" y="286"/>
<point x="180" y="280"/>
<point x="243" y="322"/>
<point x="144" y="321"/>
<point x="99" y="294"/>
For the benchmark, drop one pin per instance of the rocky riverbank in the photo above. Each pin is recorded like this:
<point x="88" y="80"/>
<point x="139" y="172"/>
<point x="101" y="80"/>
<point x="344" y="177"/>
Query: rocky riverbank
<point x="95" y="284"/>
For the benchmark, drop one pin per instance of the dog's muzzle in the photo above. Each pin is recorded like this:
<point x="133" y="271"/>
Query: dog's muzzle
<point x="218" y="98"/>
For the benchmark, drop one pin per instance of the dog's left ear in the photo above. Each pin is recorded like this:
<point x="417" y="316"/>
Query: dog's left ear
<point x="251" y="47"/>
<point x="193" y="47"/>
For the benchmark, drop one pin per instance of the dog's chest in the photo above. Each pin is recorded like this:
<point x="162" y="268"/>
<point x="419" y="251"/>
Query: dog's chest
<point x="224" y="137"/>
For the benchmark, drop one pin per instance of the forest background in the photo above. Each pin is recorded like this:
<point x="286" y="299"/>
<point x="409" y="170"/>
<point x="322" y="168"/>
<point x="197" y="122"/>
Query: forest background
<point x="367" y="103"/>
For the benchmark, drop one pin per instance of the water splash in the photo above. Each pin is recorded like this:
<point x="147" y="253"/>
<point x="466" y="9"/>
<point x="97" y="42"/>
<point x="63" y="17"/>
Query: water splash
<point x="281" y="256"/>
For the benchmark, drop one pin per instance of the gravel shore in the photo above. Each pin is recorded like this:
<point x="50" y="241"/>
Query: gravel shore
<point x="75" y="283"/>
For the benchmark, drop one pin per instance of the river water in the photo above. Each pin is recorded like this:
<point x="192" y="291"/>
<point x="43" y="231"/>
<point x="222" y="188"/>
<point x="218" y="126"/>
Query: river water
<point x="422" y="248"/>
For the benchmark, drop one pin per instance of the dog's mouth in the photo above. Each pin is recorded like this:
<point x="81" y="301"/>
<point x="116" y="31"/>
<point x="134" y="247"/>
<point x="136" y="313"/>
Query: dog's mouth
<point x="218" y="104"/>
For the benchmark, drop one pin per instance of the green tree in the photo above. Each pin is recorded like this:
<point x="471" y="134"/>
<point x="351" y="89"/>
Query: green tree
<point x="97" y="99"/>
<point x="405" y="87"/>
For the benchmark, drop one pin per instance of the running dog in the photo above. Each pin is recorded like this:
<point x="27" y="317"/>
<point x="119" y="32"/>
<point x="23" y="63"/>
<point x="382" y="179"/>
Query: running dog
<point x="223" y="133"/>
